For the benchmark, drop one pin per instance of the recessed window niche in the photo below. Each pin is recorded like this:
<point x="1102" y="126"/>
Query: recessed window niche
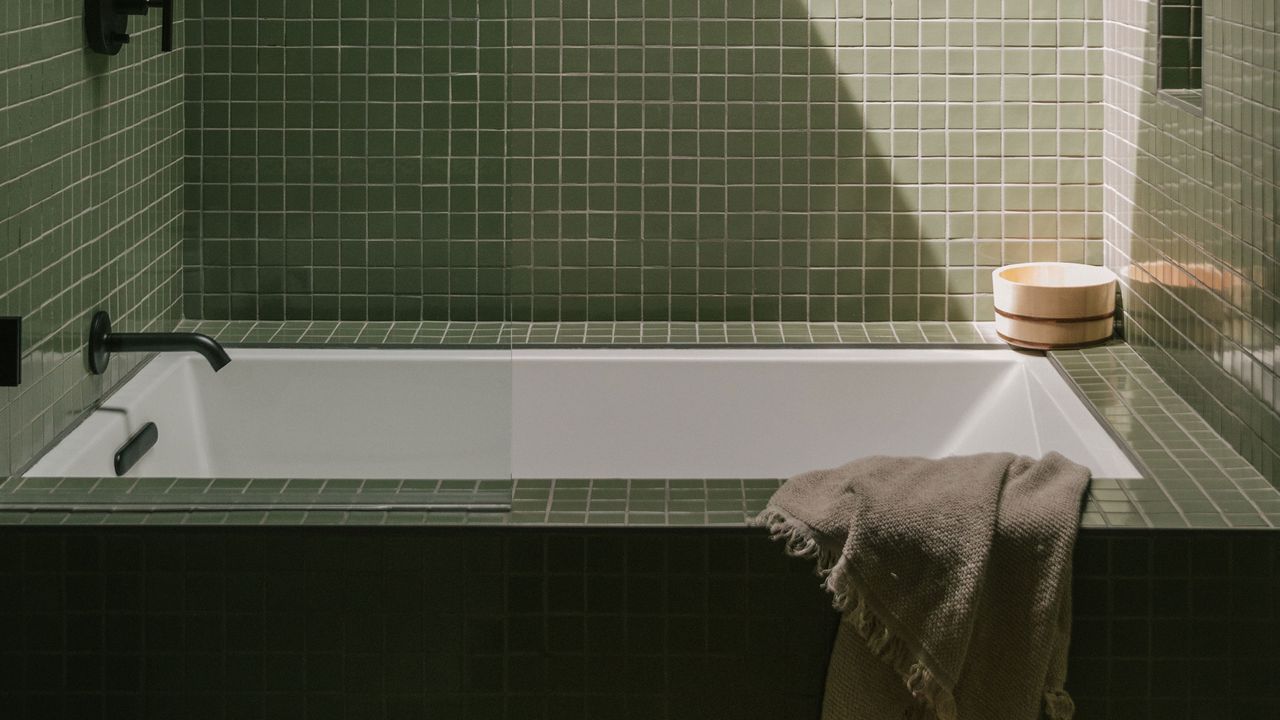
<point x="1180" y="72"/>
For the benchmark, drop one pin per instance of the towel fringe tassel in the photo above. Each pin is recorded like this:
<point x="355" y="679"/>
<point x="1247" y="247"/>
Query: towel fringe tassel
<point x="846" y="597"/>
<point x="1058" y="705"/>
<point x="797" y="538"/>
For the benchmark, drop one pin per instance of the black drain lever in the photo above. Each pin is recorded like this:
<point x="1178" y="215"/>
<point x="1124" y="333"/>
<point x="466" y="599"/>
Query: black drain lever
<point x="131" y="452"/>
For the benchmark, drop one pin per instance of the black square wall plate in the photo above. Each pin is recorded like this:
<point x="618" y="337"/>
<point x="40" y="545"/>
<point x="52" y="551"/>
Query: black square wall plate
<point x="10" y="351"/>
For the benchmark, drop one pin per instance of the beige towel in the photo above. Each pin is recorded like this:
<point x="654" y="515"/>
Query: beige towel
<point x="954" y="577"/>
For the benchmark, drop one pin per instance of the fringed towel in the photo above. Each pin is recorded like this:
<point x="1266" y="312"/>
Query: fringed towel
<point x="954" y="578"/>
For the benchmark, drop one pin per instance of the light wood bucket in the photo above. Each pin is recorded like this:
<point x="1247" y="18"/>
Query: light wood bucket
<point x="1047" y="305"/>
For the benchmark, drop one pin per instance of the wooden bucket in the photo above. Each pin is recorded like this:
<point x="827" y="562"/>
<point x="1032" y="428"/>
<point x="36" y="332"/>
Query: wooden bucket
<point x="1047" y="305"/>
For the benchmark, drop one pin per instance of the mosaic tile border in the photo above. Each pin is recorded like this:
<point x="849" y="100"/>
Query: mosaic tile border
<point x="544" y="502"/>
<point x="248" y="493"/>
<point x="412" y="333"/>
<point x="610" y="502"/>
<point x="1194" y="479"/>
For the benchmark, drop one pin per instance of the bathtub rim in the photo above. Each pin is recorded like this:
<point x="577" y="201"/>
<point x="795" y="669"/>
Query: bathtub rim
<point x="1129" y="453"/>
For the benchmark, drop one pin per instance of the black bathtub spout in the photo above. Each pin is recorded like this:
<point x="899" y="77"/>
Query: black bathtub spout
<point x="103" y="342"/>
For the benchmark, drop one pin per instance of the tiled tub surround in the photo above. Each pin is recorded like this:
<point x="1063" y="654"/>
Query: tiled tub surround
<point x="384" y="427"/>
<point x="558" y="624"/>
<point x="1193" y="478"/>
<point x="1191" y="216"/>
<point x="733" y="160"/>
<point x="605" y="599"/>
<point x="90" y="201"/>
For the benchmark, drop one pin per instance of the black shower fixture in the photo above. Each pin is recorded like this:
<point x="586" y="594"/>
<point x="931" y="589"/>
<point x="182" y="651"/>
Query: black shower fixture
<point x="106" y="22"/>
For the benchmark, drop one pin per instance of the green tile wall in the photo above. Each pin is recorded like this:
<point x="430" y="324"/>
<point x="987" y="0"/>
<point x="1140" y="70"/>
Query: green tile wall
<point x="1192" y="197"/>
<point x="90" y="204"/>
<point x="345" y="159"/>
<point x="646" y="159"/>
<point x="819" y="160"/>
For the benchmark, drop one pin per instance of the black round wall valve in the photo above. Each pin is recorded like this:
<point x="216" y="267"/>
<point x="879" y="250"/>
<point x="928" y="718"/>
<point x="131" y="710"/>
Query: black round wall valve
<point x="106" y="22"/>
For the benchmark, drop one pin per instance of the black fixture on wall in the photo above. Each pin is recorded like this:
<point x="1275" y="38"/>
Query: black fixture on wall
<point x="103" y="341"/>
<point x="10" y="351"/>
<point x="106" y="22"/>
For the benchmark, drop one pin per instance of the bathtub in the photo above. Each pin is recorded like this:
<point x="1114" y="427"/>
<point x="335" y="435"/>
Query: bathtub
<point x="579" y="413"/>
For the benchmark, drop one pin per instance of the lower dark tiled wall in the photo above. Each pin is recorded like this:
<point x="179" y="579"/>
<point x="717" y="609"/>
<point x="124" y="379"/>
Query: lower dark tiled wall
<point x="1178" y="625"/>
<point x="487" y="623"/>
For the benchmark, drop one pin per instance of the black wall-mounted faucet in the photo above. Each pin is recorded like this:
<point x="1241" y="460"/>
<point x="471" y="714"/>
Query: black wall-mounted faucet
<point x="106" y="22"/>
<point x="103" y="342"/>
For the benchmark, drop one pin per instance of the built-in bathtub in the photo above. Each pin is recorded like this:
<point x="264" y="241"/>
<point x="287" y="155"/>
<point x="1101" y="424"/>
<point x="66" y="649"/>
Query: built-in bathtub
<point x="579" y="413"/>
<point x="611" y="593"/>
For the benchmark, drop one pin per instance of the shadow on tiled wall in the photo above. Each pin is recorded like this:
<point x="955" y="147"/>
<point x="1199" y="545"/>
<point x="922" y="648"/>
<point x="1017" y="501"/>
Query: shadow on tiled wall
<point x="711" y="162"/>
<point x="619" y="160"/>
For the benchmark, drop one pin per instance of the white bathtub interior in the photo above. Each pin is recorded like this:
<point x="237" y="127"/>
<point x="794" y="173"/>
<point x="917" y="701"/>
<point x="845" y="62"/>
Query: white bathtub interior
<point x="306" y="414"/>
<point x="751" y="413"/>
<point x="581" y="413"/>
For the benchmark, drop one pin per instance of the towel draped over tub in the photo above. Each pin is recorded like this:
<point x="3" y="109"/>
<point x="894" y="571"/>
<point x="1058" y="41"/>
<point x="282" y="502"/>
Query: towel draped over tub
<point x="954" y="578"/>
